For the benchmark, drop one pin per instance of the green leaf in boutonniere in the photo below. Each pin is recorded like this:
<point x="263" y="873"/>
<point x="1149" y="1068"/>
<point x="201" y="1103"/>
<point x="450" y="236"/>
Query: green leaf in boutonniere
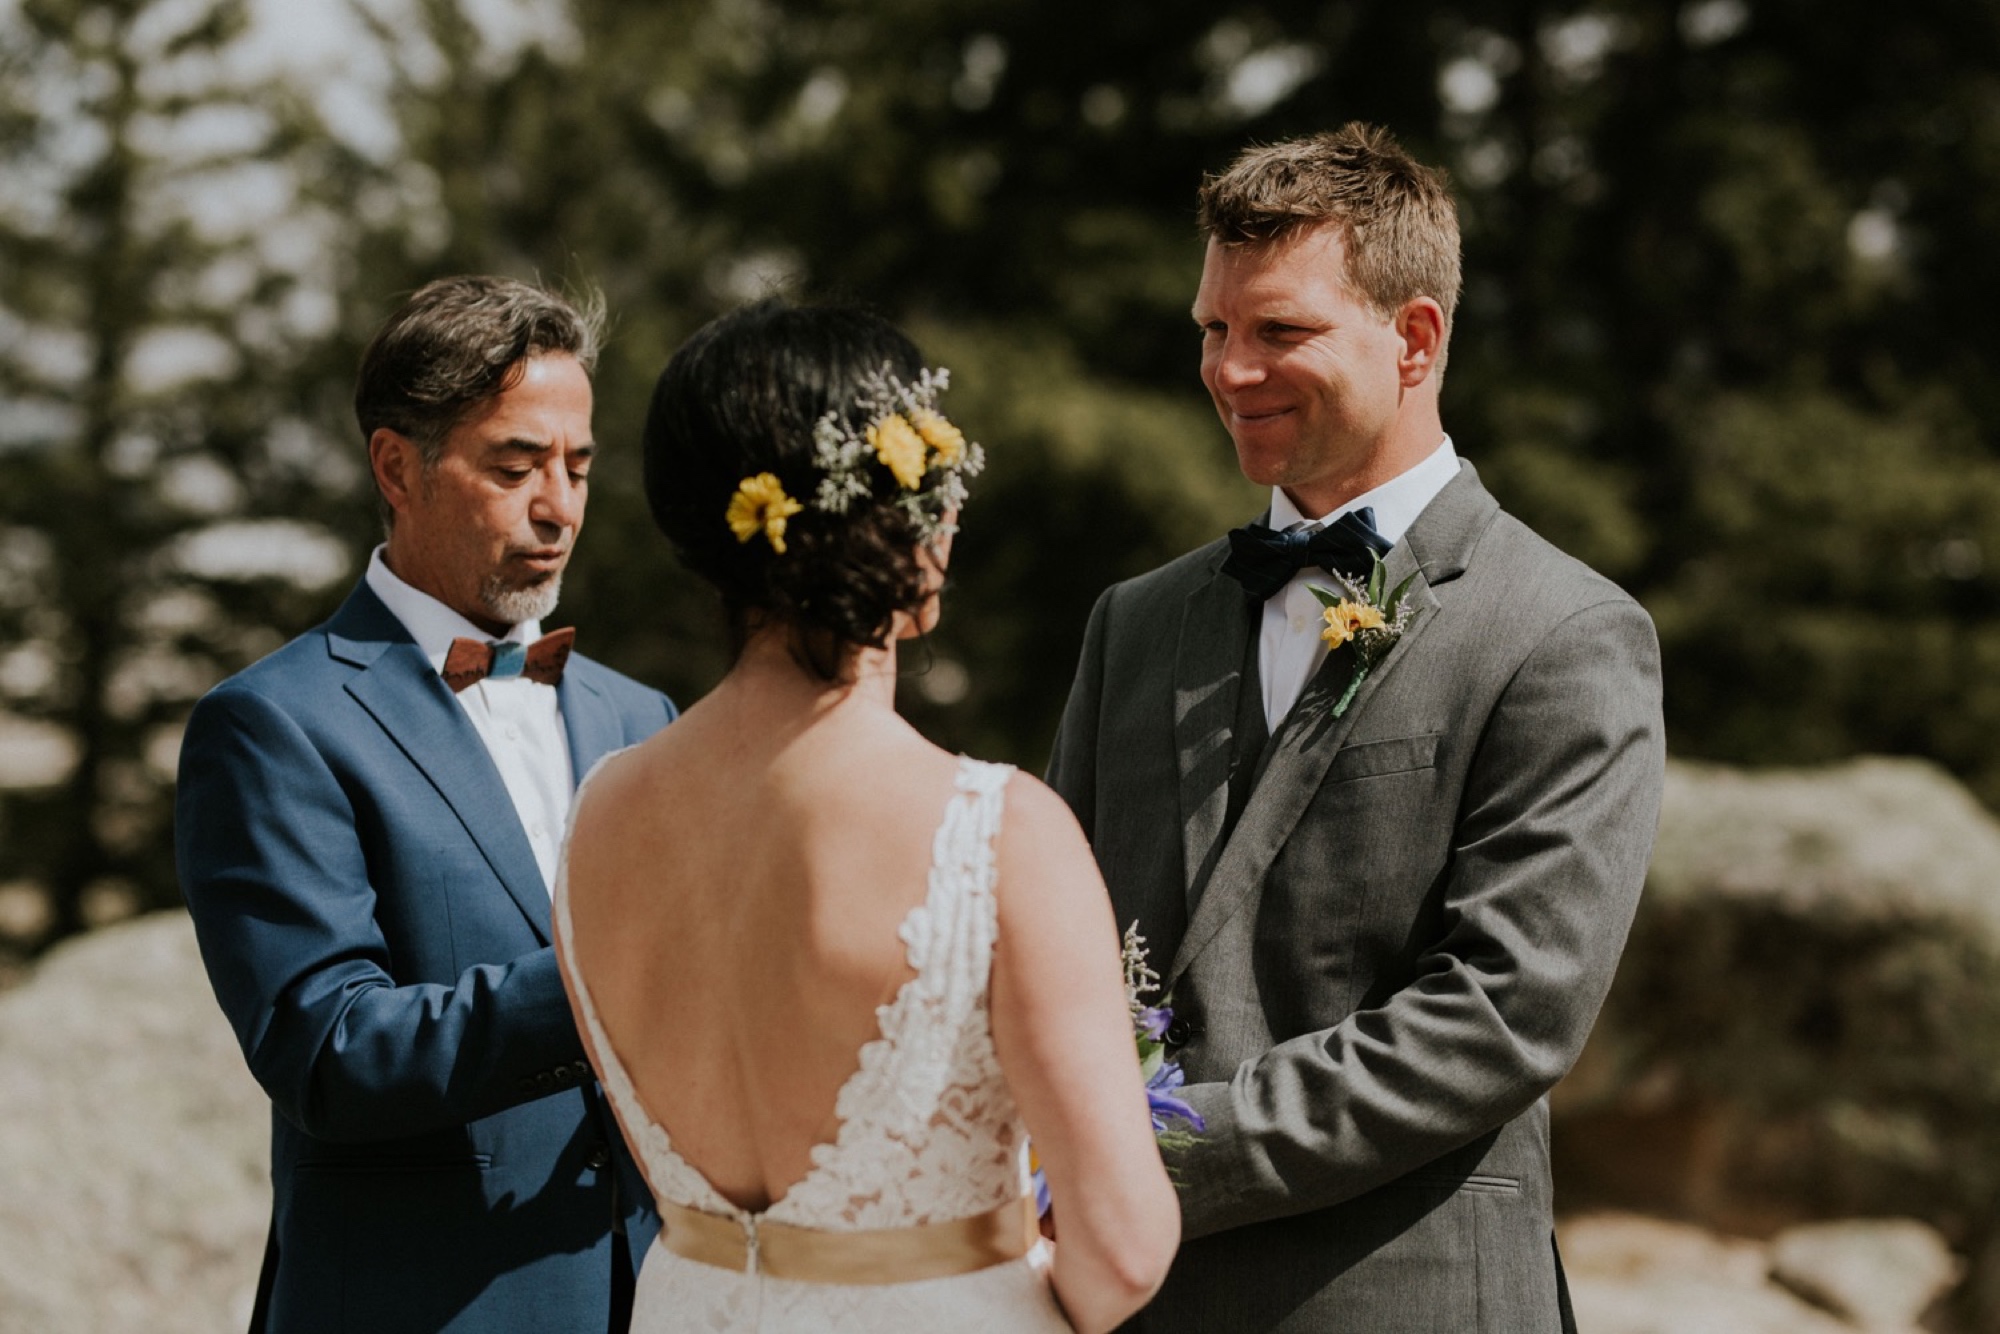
<point x="1356" y="613"/>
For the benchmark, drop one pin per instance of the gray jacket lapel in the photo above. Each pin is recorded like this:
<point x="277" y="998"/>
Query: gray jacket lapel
<point x="1208" y="685"/>
<point x="415" y="708"/>
<point x="1435" y="551"/>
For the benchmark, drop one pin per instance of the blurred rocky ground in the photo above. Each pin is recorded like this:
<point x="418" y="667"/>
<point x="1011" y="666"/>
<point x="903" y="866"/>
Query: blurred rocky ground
<point x="1806" y="1025"/>
<point x="1787" y="1122"/>
<point x="1631" y="1274"/>
<point x="133" y="1159"/>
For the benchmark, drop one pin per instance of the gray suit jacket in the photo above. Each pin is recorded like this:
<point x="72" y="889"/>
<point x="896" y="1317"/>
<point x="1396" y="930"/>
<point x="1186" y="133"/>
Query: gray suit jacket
<point x="1403" y="940"/>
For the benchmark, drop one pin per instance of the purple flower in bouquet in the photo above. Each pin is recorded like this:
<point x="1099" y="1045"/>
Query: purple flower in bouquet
<point x="1163" y="1074"/>
<point x="1160" y="1099"/>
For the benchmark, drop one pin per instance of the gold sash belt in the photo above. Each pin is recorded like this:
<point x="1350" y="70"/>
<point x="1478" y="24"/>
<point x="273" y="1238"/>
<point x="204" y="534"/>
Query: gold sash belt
<point x="886" y="1255"/>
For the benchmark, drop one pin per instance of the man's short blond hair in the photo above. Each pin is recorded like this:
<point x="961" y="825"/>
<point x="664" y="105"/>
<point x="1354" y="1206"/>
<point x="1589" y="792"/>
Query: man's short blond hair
<point x="1397" y="220"/>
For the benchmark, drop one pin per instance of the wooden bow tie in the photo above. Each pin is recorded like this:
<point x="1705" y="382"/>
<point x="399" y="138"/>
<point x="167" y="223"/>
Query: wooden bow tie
<point x="473" y="660"/>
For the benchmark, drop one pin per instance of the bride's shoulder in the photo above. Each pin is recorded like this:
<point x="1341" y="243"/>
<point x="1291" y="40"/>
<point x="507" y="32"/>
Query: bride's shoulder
<point x="610" y="761"/>
<point x="1042" y="849"/>
<point x="608" y="774"/>
<point x="1054" y="916"/>
<point x="616" y="784"/>
<point x="1029" y="799"/>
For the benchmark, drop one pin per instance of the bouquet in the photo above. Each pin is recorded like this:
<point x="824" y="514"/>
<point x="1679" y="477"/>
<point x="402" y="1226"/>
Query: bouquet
<point x="1163" y="1073"/>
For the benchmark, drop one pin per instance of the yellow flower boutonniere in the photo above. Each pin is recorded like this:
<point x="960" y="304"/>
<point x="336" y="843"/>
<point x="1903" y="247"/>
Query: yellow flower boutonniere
<point x="901" y="449"/>
<point x="1358" y="614"/>
<point x="1344" y="619"/>
<point x="760" y="505"/>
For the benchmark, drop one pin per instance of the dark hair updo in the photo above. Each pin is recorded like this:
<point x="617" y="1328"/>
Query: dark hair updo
<point x="742" y="397"/>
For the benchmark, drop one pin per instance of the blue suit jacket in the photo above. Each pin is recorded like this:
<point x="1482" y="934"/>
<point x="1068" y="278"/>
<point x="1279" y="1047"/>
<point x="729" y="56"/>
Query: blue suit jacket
<point x="377" y="931"/>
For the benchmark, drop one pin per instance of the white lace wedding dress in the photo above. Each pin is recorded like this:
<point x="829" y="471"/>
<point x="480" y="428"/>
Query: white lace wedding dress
<point x="928" y="1132"/>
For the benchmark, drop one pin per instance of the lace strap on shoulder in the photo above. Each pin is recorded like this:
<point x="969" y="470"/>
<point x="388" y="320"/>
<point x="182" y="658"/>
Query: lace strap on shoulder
<point x="982" y="778"/>
<point x="959" y="909"/>
<point x="984" y="785"/>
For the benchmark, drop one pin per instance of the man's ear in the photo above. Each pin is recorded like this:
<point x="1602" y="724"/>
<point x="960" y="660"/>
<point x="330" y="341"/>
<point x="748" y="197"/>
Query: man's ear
<point x="397" y="464"/>
<point x="1420" y="324"/>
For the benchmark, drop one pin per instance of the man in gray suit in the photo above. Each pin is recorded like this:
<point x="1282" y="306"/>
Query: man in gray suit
<point x="1387" y="880"/>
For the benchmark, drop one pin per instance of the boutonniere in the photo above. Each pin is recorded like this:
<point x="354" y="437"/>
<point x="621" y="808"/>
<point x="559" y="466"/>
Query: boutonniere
<point x="1358" y="614"/>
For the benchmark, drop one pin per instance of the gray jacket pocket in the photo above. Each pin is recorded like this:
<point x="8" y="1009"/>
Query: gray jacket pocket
<point x="1395" y="755"/>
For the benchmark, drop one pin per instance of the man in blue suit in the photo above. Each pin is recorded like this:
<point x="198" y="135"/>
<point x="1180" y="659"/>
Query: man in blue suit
<point x="367" y="827"/>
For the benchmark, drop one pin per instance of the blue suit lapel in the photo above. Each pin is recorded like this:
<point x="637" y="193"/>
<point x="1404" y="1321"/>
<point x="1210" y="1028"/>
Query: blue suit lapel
<point x="594" y="727"/>
<point x="414" y="706"/>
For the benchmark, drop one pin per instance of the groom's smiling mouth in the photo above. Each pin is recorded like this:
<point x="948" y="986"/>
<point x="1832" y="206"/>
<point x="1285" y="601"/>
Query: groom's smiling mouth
<point x="1256" y="417"/>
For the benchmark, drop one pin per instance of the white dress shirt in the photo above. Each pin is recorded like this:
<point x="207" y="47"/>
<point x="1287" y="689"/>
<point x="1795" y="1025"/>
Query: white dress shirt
<point x="519" y="720"/>
<point x="1289" y="649"/>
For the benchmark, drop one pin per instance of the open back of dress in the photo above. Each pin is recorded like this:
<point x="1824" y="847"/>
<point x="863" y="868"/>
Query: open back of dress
<point x="928" y="1132"/>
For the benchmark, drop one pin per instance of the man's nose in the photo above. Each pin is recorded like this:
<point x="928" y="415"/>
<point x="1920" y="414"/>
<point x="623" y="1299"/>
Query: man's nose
<point x="558" y="500"/>
<point x="1235" y="366"/>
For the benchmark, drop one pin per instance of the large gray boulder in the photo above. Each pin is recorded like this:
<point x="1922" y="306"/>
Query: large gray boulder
<point x="1806" y="1024"/>
<point x="1878" y="1273"/>
<point x="1635" y="1275"/>
<point x="134" y="1188"/>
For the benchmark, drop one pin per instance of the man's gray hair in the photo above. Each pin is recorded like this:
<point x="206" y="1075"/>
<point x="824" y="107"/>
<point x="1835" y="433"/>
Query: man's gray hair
<point x="459" y="342"/>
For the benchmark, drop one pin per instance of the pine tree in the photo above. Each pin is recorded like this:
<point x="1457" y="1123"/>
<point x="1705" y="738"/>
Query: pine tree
<point x="165" y="279"/>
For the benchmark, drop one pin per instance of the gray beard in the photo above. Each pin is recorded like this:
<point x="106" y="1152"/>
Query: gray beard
<point x="512" y="605"/>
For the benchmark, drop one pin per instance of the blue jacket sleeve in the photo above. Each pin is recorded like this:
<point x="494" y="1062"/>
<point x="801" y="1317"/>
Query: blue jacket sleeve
<point x="284" y="904"/>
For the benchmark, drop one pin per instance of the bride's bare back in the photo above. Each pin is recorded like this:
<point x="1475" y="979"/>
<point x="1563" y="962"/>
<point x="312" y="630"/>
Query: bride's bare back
<point x="736" y="895"/>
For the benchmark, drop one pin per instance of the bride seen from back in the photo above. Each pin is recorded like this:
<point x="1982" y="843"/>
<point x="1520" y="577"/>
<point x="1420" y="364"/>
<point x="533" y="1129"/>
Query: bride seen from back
<point x="830" y="974"/>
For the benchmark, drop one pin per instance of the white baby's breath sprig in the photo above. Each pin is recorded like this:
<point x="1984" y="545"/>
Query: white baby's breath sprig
<point x="901" y="431"/>
<point x="1140" y="979"/>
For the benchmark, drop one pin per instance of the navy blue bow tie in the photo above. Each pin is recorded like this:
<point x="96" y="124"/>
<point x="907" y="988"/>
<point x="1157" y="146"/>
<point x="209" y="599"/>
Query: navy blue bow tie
<point x="1264" y="560"/>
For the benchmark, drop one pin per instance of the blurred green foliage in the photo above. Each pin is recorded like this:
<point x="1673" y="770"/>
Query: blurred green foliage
<point x="1725" y="332"/>
<point x="122" y="132"/>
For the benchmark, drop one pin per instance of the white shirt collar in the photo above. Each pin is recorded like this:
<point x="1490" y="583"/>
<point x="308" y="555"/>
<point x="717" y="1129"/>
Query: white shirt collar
<point x="432" y="624"/>
<point x="1397" y="502"/>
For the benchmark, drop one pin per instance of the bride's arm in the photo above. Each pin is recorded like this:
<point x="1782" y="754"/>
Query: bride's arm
<point x="1064" y="1037"/>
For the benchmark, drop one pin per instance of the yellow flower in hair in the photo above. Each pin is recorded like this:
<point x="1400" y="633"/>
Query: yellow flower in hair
<point x="900" y="448"/>
<point x="760" y="505"/>
<point x="942" y="436"/>
<point x="1347" y="618"/>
